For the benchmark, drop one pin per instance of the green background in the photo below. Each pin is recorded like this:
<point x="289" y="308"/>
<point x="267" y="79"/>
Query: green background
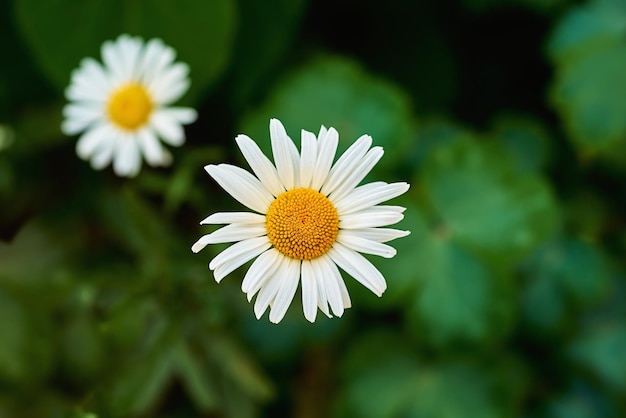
<point x="508" y="299"/>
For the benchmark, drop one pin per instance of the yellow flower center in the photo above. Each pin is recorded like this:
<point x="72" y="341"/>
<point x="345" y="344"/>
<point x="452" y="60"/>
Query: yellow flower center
<point x="130" y="106"/>
<point x="302" y="223"/>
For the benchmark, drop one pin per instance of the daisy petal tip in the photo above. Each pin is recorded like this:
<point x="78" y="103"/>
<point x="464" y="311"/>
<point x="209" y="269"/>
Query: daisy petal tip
<point x="197" y="247"/>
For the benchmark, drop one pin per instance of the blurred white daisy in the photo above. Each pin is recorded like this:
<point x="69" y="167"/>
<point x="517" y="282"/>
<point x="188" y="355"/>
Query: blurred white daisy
<point x="310" y="216"/>
<point x="122" y="106"/>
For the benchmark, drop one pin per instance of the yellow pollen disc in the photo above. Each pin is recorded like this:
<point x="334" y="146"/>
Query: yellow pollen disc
<point x="302" y="223"/>
<point x="130" y="106"/>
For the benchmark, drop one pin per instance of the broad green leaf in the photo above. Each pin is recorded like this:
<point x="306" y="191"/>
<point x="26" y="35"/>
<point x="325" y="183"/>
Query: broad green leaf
<point x="588" y="28"/>
<point x="525" y="139"/>
<point x="333" y="91"/>
<point x="392" y="382"/>
<point x="455" y="298"/>
<point x="483" y="201"/>
<point x="62" y="32"/>
<point x="19" y="265"/>
<point x="601" y="349"/>
<point x="589" y="49"/>
<point x="580" y="401"/>
<point x="564" y="273"/>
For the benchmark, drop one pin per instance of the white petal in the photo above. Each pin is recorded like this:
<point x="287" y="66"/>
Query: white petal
<point x="380" y="234"/>
<point x="322" y="297"/>
<point x="372" y="217"/>
<point x="358" y="267"/>
<point x="358" y="169"/>
<point x="308" y="159"/>
<point x="286" y="291"/>
<point x="327" y="146"/>
<point x="260" y="164"/>
<point x="223" y="270"/>
<point x="127" y="161"/>
<point x="339" y="171"/>
<point x="271" y="286"/>
<point x="322" y="133"/>
<point x="103" y="154"/>
<point x="113" y="60"/>
<point x="262" y="268"/>
<point x="283" y="149"/>
<point x="357" y="243"/>
<point x="233" y="217"/>
<point x="330" y="279"/>
<point x="230" y="233"/>
<point x="89" y="82"/>
<point x="309" y="291"/>
<point x="167" y="127"/>
<point x="369" y="195"/>
<point x="91" y="140"/>
<point x="157" y="58"/>
<point x="171" y="83"/>
<point x="80" y="117"/>
<point x="242" y="185"/>
<point x="239" y="253"/>
<point x="130" y="49"/>
<point x="180" y="115"/>
<point x="152" y="149"/>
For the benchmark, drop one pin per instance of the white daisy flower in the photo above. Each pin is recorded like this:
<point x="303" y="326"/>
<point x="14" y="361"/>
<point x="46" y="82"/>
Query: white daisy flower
<point x="122" y="106"/>
<point x="310" y="216"/>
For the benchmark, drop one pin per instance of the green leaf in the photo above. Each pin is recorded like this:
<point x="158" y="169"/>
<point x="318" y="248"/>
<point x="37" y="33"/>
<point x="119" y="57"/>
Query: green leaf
<point x="62" y="32"/>
<point x="335" y="92"/>
<point x="588" y="47"/>
<point x="397" y="384"/>
<point x="601" y="349"/>
<point x="238" y="367"/>
<point x="484" y="202"/>
<point x="455" y="299"/>
<point x="13" y="364"/>
<point x="564" y="273"/>
<point x="195" y="377"/>
<point x="143" y="379"/>
<point x="525" y="139"/>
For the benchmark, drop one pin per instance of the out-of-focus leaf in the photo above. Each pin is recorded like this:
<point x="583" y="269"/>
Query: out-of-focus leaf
<point x="601" y="349"/>
<point x="139" y="227"/>
<point x="393" y="383"/>
<point x="195" y="377"/>
<point x="82" y="347"/>
<point x="143" y="380"/>
<point x="564" y="272"/>
<point x="454" y="300"/>
<point x="13" y="337"/>
<point x="18" y="263"/>
<point x="335" y="92"/>
<point x="238" y="367"/>
<point x="485" y="202"/>
<point x="524" y="139"/>
<point x="266" y="29"/>
<point x="589" y="49"/>
<point x="580" y="401"/>
<point x="201" y="32"/>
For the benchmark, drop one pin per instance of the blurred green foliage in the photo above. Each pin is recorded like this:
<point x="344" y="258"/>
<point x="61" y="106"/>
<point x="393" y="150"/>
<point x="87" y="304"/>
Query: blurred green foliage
<point x="508" y="118"/>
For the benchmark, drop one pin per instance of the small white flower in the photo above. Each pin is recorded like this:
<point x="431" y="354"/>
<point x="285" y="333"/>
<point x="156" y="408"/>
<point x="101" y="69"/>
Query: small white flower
<point x="121" y="106"/>
<point x="310" y="216"/>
